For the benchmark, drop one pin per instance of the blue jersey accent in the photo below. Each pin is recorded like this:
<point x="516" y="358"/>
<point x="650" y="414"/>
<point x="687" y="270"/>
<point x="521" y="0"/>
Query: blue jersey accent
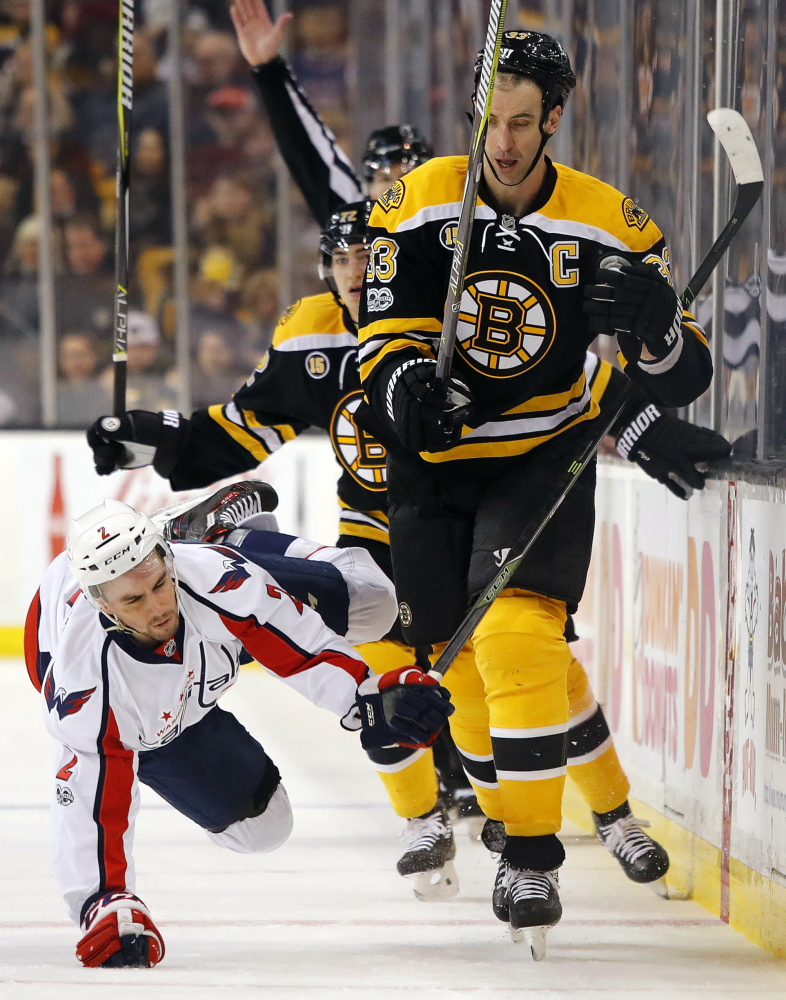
<point x="319" y="585"/>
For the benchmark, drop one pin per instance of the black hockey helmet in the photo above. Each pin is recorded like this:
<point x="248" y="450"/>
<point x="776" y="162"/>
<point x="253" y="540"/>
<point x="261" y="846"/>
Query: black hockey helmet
<point x="347" y="226"/>
<point x="395" y="144"/>
<point x="539" y="57"/>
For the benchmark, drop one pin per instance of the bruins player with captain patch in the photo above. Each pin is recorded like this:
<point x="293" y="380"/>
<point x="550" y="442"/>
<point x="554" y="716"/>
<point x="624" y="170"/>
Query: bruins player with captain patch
<point x="522" y="395"/>
<point x="310" y="378"/>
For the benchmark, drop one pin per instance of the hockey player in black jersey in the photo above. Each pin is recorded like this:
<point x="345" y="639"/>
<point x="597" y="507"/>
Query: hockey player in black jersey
<point x="523" y="393"/>
<point x="310" y="378"/>
<point x="318" y="165"/>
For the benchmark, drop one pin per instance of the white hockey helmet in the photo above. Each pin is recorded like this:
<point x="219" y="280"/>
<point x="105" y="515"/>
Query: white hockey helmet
<point x="110" y="540"/>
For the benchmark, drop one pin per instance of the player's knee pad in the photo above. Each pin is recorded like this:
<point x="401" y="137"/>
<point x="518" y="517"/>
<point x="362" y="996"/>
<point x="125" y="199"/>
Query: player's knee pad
<point x="262" y="833"/>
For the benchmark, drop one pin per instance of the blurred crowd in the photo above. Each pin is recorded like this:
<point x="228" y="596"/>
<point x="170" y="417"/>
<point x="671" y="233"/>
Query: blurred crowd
<point x="230" y="185"/>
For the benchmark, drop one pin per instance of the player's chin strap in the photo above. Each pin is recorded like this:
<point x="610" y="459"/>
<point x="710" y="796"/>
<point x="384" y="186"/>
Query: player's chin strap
<point x="544" y="138"/>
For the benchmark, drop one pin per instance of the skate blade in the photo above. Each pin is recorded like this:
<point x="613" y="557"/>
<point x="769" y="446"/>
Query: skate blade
<point x="662" y="888"/>
<point x="436" y="885"/>
<point x="535" y="937"/>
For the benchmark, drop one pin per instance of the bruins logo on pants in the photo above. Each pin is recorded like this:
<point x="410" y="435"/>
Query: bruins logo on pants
<point x="362" y="456"/>
<point x="506" y="323"/>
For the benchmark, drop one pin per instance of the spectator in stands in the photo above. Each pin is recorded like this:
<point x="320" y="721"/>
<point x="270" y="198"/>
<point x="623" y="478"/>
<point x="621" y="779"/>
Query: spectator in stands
<point x="216" y="58"/>
<point x="81" y="396"/>
<point x="148" y="388"/>
<point x="216" y="375"/>
<point x="235" y="137"/>
<point x="260" y="308"/>
<point x="216" y="64"/>
<point x="150" y="206"/>
<point x="319" y="56"/>
<point x="85" y="292"/>
<point x="151" y="102"/>
<point x="211" y="311"/>
<point x="231" y="215"/>
<point x="71" y="195"/>
<point x="19" y="386"/>
<point x="90" y="50"/>
<point x="19" y="284"/>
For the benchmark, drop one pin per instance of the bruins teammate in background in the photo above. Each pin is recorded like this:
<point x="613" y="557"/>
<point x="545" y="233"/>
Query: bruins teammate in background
<point x="523" y="393"/>
<point x="310" y="378"/>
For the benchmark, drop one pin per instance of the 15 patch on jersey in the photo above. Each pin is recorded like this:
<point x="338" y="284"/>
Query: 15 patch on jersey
<point x="359" y="453"/>
<point x="506" y="323"/>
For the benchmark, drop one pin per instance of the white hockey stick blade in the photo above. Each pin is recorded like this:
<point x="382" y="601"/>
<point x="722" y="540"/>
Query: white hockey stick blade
<point x="735" y="137"/>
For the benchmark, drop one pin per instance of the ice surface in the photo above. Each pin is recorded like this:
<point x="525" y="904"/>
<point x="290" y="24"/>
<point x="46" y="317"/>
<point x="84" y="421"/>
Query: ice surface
<point x="327" y="917"/>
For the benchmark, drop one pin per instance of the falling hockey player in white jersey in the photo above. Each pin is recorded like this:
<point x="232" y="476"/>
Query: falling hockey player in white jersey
<point x="132" y="642"/>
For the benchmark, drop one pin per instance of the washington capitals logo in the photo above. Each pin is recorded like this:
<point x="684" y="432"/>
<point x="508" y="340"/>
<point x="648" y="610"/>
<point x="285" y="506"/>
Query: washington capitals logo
<point x="66" y="704"/>
<point x="234" y="577"/>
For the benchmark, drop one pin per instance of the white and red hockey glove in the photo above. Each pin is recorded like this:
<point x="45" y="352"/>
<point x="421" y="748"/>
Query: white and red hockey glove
<point x="118" y="932"/>
<point x="403" y="706"/>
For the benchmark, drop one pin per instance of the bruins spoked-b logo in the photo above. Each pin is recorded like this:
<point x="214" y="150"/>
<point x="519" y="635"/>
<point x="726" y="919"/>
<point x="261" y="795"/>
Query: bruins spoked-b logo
<point x="362" y="456"/>
<point x="506" y="323"/>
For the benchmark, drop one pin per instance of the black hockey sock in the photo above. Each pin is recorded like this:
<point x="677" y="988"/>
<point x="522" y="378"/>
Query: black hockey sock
<point x="537" y="854"/>
<point x="606" y="819"/>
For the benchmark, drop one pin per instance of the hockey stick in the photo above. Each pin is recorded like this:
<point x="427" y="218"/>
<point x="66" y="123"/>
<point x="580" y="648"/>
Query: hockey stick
<point x="125" y="95"/>
<point x="735" y="137"/>
<point x="458" y="266"/>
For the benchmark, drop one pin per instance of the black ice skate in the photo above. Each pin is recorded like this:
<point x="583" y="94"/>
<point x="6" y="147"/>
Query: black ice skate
<point x="640" y="857"/>
<point x="204" y="517"/>
<point x="529" y="901"/>
<point x="428" y="859"/>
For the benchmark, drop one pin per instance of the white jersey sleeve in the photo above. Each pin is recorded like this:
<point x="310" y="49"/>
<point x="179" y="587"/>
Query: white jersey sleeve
<point x="94" y="806"/>
<point x="95" y="796"/>
<point x="283" y="635"/>
<point x="372" y="596"/>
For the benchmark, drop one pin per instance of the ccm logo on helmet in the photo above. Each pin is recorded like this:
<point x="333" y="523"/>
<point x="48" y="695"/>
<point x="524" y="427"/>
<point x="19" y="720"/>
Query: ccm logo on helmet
<point x="117" y="555"/>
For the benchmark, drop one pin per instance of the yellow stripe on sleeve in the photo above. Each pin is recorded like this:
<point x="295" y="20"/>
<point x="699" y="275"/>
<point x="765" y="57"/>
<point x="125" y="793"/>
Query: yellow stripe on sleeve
<point x="355" y="530"/>
<point x="246" y="440"/>
<point x="286" y="431"/>
<point x="389" y="348"/>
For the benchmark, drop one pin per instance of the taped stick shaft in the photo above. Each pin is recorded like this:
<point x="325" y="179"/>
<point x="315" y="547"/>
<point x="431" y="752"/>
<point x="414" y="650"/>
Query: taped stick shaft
<point x="125" y="98"/>
<point x="458" y="266"/>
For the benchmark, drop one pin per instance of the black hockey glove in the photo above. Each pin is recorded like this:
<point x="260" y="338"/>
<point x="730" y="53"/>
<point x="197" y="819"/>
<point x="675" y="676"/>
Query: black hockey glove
<point x="138" y="438"/>
<point x="638" y="305"/>
<point x="424" y="419"/>
<point x="404" y="706"/>
<point x="670" y="450"/>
